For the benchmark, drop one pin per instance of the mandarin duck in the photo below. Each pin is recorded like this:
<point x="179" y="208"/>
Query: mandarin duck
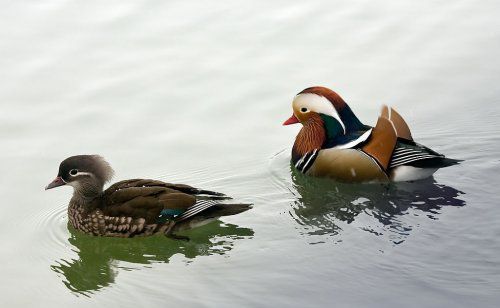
<point x="334" y="143"/>
<point x="137" y="207"/>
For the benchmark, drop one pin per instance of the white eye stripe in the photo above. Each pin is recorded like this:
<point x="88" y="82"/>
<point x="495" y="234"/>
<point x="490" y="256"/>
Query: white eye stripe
<point x="84" y="173"/>
<point x="317" y="103"/>
<point x="80" y="173"/>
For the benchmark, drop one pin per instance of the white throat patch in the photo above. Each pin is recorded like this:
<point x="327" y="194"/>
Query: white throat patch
<point x="316" y="103"/>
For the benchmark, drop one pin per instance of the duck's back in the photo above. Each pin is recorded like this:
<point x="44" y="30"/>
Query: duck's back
<point x="134" y="207"/>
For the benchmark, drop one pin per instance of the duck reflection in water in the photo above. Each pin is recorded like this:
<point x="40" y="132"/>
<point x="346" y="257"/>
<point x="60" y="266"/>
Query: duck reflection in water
<point x="322" y="206"/>
<point x="99" y="258"/>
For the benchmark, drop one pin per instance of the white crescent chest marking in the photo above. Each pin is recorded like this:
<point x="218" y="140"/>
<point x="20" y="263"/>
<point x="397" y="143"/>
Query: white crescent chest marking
<point x="306" y="161"/>
<point x="355" y="142"/>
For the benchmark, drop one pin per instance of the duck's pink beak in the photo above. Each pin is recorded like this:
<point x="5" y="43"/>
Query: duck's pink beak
<point x="58" y="181"/>
<point x="292" y="120"/>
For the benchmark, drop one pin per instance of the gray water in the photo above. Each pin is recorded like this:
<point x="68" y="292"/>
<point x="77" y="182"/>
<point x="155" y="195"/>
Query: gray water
<point x="196" y="93"/>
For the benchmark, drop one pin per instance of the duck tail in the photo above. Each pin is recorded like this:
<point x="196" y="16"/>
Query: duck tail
<point x="446" y="162"/>
<point x="213" y="209"/>
<point x="228" y="209"/>
<point x="436" y="162"/>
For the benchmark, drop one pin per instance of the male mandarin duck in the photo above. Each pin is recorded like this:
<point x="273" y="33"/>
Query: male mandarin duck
<point x="334" y="143"/>
<point x="135" y="207"/>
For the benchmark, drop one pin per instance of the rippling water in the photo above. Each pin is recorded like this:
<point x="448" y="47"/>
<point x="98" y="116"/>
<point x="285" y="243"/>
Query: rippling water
<point x="196" y="93"/>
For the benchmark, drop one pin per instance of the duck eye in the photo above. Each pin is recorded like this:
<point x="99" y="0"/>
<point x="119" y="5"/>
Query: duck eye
<point x="303" y="109"/>
<point x="73" y="171"/>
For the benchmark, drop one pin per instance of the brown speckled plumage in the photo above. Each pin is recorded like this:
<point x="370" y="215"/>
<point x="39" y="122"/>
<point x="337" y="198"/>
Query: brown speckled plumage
<point x="134" y="207"/>
<point x="91" y="219"/>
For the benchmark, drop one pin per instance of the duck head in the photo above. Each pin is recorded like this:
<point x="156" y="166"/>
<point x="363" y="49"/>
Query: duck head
<point x="87" y="174"/>
<point x="326" y="118"/>
<point x="314" y="101"/>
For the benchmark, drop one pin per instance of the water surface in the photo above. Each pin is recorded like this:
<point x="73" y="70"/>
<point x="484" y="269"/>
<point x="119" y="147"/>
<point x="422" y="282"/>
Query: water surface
<point x="196" y="93"/>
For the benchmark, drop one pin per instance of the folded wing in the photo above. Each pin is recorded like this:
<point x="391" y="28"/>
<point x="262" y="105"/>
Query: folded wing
<point x="153" y="200"/>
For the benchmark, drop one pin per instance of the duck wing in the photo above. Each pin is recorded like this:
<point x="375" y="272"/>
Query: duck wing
<point x="381" y="143"/>
<point x="399" y="124"/>
<point x="154" y="200"/>
<point x="385" y="136"/>
<point x="410" y="153"/>
<point x="156" y="183"/>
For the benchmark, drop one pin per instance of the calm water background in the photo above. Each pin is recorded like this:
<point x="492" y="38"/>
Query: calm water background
<point x="196" y="93"/>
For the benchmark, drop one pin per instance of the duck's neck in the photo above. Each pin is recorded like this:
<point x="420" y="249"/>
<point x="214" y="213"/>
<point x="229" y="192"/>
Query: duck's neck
<point x="86" y="192"/>
<point x="310" y="137"/>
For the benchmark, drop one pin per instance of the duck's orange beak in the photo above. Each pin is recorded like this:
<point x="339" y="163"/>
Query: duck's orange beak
<point x="292" y="120"/>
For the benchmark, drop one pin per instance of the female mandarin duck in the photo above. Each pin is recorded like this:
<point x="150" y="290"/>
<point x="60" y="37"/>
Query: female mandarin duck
<point x="134" y="207"/>
<point x="334" y="143"/>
